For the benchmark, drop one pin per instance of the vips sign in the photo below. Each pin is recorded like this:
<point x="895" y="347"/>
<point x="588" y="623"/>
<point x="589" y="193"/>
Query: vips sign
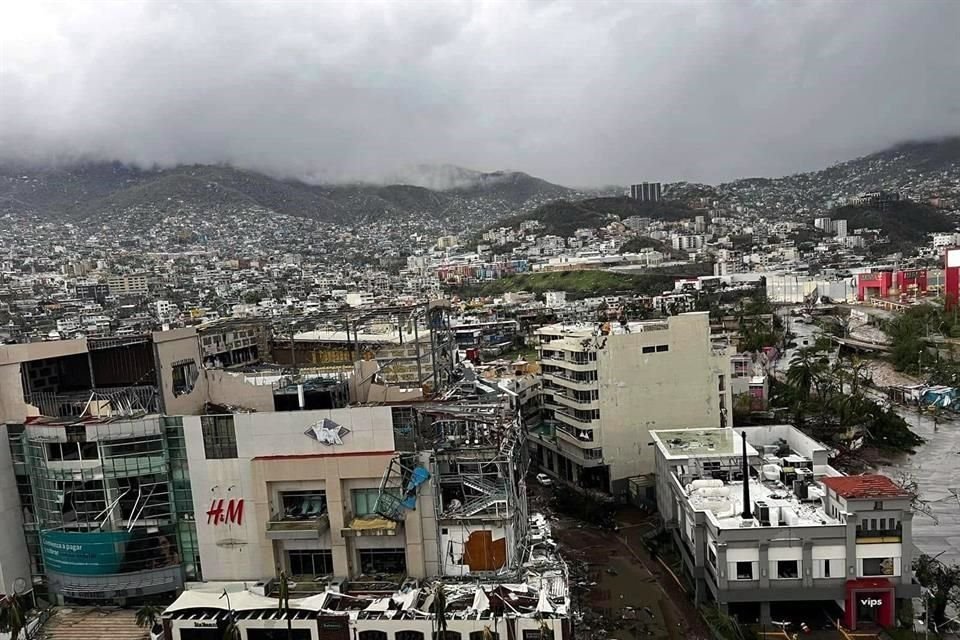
<point x="871" y="602"/>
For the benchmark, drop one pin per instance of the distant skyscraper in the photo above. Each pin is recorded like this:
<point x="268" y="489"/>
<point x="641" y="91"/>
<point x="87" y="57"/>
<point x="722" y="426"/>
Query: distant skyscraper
<point x="646" y="192"/>
<point x="840" y="228"/>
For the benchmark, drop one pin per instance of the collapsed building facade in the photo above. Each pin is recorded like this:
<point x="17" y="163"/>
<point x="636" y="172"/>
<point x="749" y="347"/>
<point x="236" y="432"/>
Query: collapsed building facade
<point x="165" y="463"/>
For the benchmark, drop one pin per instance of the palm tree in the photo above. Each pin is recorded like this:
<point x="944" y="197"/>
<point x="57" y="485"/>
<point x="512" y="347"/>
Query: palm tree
<point x="148" y="617"/>
<point x="230" y="629"/>
<point x="806" y="371"/>
<point x="13" y="616"/>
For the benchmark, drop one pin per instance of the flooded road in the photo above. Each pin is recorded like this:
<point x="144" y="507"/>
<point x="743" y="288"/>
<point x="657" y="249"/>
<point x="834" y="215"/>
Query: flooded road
<point x="936" y="469"/>
<point x="935" y="466"/>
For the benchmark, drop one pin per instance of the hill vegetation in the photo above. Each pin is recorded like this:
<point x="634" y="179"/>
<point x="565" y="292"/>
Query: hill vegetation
<point x="584" y="283"/>
<point x="905" y="223"/>
<point x="98" y="189"/>
<point x="898" y="168"/>
<point x="564" y="217"/>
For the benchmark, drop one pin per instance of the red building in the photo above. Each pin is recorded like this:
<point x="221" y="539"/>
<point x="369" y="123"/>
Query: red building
<point x="874" y="285"/>
<point x="883" y="284"/>
<point x="951" y="277"/>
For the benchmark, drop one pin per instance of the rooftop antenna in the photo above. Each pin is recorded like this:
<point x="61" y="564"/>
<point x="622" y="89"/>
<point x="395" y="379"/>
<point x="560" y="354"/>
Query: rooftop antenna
<point x="747" y="514"/>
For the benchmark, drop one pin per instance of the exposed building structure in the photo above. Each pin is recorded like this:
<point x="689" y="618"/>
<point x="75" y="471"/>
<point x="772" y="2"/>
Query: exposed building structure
<point x="606" y="387"/>
<point x="762" y="522"/>
<point x="788" y="288"/>
<point x="413" y="346"/>
<point x="363" y="509"/>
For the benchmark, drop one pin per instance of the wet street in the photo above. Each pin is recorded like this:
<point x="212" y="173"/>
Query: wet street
<point x="935" y="467"/>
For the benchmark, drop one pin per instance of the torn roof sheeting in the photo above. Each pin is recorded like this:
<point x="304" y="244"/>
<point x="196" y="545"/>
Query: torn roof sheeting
<point x="538" y="588"/>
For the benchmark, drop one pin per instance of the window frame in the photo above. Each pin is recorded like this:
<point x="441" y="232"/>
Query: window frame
<point x="796" y="565"/>
<point x="219" y="437"/>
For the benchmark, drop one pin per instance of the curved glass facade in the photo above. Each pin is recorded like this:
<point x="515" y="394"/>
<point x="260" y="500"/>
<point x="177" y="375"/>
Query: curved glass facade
<point x="103" y="496"/>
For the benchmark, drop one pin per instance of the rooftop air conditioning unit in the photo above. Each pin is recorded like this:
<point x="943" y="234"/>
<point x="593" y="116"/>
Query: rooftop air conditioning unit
<point x="762" y="513"/>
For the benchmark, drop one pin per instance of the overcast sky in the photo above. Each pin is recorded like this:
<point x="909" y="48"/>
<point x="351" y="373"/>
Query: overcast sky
<point x="582" y="92"/>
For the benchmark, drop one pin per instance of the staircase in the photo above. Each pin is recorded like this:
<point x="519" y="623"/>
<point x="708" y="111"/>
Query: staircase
<point x="92" y="624"/>
<point x="478" y="484"/>
<point x="482" y="503"/>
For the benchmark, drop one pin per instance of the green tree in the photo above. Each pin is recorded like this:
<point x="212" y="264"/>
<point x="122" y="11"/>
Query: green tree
<point x="148" y="617"/>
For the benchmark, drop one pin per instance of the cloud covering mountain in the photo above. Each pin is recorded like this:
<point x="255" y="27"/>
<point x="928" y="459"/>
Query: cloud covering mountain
<point x="577" y="92"/>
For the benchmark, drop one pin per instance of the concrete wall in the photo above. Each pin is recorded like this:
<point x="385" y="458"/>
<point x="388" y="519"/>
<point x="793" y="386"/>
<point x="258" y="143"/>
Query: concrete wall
<point x="640" y="392"/>
<point x="230" y="389"/>
<point x="274" y="454"/>
<point x="175" y="346"/>
<point x="14" y="558"/>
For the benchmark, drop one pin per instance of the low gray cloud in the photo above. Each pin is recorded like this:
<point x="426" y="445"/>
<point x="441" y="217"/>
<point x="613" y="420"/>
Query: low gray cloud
<point x="579" y="92"/>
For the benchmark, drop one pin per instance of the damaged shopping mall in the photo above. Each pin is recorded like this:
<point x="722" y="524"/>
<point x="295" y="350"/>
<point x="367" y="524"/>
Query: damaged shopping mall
<point x="385" y="495"/>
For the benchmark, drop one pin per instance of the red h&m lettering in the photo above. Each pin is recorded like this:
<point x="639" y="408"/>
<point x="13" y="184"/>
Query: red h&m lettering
<point x="218" y="515"/>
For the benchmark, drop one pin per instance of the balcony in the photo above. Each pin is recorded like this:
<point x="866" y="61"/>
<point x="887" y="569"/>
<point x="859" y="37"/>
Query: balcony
<point x="569" y="399"/>
<point x="298" y="529"/>
<point x="557" y="439"/>
<point x="569" y="418"/>
<point x="579" y="437"/>
<point x="571" y="365"/>
<point x="569" y="382"/>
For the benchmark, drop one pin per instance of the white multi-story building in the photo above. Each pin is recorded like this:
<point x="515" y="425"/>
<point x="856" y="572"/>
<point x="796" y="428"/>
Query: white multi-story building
<point x="763" y="523"/>
<point x="605" y="388"/>
<point x="840" y="228"/>
<point x="360" y="299"/>
<point x="687" y="243"/>
<point x="824" y="223"/>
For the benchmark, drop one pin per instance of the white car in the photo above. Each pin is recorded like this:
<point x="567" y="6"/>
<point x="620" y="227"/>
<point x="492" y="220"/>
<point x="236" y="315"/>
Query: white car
<point x="544" y="479"/>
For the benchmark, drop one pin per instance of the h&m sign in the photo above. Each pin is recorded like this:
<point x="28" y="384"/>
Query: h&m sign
<point x="225" y="512"/>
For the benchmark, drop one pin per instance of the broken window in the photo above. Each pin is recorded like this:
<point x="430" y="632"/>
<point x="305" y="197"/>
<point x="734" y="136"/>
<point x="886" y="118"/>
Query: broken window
<point x="185" y="374"/>
<point x="311" y="562"/>
<point x="383" y="561"/>
<point x="303" y="504"/>
<point x="365" y="500"/>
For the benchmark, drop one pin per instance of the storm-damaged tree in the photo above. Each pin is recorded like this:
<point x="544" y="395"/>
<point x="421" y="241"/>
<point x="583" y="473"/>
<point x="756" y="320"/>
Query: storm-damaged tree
<point x="942" y="584"/>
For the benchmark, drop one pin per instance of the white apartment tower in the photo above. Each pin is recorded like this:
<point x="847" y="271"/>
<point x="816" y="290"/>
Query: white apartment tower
<point x="606" y="387"/>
